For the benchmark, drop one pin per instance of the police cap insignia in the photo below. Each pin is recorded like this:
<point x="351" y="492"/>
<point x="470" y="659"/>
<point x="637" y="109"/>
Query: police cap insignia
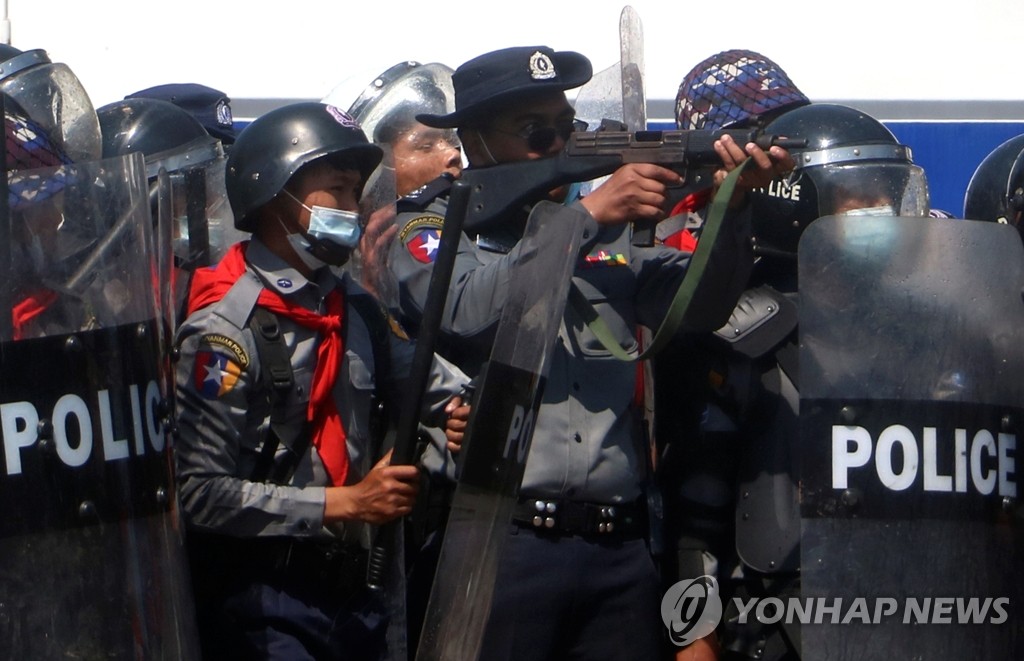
<point x="223" y="111"/>
<point x="541" y="67"/>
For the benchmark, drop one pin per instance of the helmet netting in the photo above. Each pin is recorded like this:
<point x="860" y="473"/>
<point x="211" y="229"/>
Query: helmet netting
<point x="731" y="87"/>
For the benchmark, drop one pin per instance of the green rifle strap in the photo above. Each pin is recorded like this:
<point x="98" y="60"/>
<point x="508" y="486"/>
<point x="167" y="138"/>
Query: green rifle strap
<point x="681" y="302"/>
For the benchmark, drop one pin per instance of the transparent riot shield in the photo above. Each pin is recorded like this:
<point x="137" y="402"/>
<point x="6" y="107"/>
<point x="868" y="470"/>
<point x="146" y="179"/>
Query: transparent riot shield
<point x="911" y="400"/>
<point x="194" y="226"/>
<point x="498" y="437"/>
<point x="93" y="561"/>
<point x="370" y="263"/>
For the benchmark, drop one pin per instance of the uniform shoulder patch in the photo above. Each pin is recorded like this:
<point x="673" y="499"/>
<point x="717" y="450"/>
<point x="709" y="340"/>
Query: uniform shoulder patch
<point x="427" y="220"/>
<point x="217" y="340"/>
<point x="421" y="237"/>
<point x="214" y="374"/>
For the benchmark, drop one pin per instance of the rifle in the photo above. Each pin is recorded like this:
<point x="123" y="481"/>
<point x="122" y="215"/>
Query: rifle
<point x="500" y="189"/>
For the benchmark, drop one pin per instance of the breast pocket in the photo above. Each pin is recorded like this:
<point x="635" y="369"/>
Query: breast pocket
<point x="359" y="395"/>
<point x="609" y="291"/>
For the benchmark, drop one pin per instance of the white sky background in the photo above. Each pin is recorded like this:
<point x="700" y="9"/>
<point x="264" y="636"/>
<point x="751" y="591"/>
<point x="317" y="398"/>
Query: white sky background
<point x="867" y="49"/>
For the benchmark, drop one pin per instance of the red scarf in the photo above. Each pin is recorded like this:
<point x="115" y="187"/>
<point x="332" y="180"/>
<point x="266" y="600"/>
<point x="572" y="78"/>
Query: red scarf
<point x="31" y="307"/>
<point x="684" y="239"/>
<point x="209" y="285"/>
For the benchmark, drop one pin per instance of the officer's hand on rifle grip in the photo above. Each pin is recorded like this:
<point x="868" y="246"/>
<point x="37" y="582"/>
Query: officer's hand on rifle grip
<point x="636" y="191"/>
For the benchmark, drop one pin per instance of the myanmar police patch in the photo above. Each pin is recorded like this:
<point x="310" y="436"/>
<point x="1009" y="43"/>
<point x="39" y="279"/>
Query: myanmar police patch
<point x="422" y="236"/>
<point x="214" y="374"/>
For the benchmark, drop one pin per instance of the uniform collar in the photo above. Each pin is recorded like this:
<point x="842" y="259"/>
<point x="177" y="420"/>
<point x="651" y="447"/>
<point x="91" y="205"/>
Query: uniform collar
<point x="278" y="276"/>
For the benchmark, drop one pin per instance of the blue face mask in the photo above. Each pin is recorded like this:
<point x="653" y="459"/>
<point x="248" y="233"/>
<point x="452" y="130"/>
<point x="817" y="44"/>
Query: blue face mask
<point x="341" y="227"/>
<point x="335" y="225"/>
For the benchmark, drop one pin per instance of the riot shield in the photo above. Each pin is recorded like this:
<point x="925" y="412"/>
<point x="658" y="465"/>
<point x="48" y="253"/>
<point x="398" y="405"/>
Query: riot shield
<point x="194" y="223"/>
<point x="94" y="565"/>
<point x="910" y="406"/>
<point x="370" y="264"/>
<point x="498" y="437"/>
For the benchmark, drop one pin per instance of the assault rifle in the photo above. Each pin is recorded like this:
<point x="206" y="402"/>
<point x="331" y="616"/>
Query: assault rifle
<point x="498" y="190"/>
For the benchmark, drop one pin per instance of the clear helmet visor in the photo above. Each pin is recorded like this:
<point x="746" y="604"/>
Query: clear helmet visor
<point x="871" y="188"/>
<point x="386" y="110"/>
<point x="54" y="97"/>
<point x="202" y="226"/>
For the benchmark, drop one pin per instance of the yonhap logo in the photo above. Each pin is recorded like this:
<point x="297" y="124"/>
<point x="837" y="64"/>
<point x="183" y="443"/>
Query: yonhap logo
<point x="691" y="609"/>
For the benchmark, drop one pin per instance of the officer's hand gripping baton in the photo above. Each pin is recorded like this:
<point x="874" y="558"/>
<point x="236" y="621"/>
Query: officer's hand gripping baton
<point x="419" y="373"/>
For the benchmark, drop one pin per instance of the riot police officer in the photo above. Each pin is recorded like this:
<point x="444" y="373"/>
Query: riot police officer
<point x="577" y="586"/>
<point x="387" y="110"/>
<point x="188" y="200"/>
<point x="424" y="160"/>
<point x="729" y="471"/>
<point x="416" y="155"/>
<point x="732" y="89"/>
<point x="996" y="190"/>
<point x="281" y="362"/>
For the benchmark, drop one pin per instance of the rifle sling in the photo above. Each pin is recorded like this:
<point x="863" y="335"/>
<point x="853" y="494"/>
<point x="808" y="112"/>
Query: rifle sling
<point x="684" y="295"/>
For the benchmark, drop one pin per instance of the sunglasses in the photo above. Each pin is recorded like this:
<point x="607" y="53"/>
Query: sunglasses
<point x="540" y="139"/>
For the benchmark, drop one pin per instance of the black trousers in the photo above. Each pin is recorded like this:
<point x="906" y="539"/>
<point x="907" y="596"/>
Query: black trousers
<point x="284" y="599"/>
<point x="568" y="597"/>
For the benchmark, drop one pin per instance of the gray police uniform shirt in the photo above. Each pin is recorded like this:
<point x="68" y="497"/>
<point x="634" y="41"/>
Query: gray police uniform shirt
<point x="223" y="409"/>
<point x="587" y="440"/>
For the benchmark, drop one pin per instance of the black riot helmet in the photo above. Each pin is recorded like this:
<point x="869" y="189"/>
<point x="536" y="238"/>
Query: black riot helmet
<point x="996" y="190"/>
<point x="273" y="148"/>
<point x="193" y="215"/>
<point x="852" y="165"/>
<point x="168" y="136"/>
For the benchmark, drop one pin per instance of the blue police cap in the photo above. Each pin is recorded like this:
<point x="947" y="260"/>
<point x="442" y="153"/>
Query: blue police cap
<point x="210" y="106"/>
<point x="484" y="82"/>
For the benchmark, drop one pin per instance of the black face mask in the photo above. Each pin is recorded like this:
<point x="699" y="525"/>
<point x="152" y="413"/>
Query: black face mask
<point x="328" y="251"/>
